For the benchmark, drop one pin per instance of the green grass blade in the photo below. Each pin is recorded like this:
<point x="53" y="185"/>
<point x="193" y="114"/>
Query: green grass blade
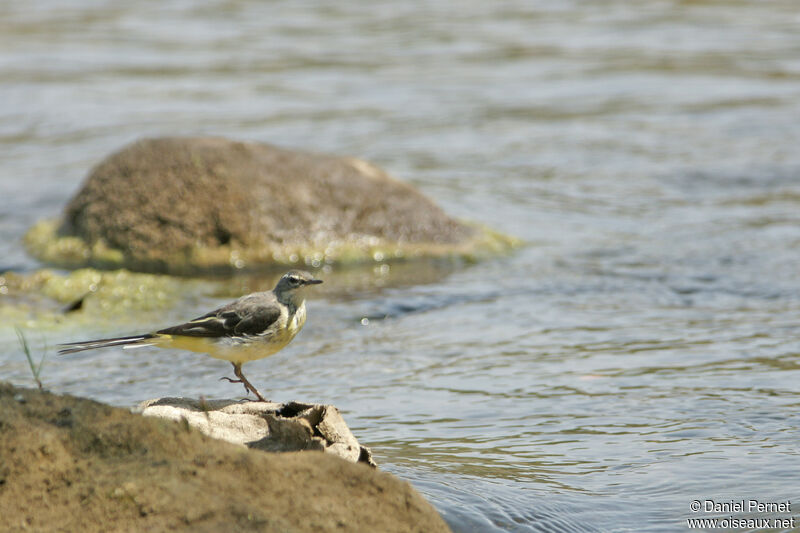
<point x="35" y="369"/>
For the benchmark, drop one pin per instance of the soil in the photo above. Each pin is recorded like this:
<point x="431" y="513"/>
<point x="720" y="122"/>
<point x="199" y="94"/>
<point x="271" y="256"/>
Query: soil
<point x="72" y="464"/>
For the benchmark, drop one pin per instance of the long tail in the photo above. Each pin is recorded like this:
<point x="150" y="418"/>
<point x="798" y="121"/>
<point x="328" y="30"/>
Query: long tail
<point x="138" y="340"/>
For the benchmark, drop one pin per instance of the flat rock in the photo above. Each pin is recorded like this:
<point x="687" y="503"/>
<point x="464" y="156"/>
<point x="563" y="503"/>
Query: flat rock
<point x="274" y="427"/>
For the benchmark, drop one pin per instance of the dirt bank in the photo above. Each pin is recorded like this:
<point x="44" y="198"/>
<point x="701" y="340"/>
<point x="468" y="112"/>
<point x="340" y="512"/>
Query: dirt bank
<point x="71" y="464"/>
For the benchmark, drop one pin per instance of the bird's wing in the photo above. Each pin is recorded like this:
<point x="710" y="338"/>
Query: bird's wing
<point x="251" y="315"/>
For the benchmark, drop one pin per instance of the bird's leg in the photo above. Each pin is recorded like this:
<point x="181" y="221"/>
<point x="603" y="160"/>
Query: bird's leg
<point x="237" y="369"/>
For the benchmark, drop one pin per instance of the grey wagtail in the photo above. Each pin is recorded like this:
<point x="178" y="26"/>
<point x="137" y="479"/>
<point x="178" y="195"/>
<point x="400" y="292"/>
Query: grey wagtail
<point x="250" y="328"/>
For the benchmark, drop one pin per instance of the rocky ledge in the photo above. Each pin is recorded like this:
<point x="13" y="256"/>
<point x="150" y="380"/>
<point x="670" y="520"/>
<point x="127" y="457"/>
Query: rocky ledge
<point x="71" y="464"/>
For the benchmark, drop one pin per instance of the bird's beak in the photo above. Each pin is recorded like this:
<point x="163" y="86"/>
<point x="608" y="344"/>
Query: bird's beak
<point x="313" y="282"/>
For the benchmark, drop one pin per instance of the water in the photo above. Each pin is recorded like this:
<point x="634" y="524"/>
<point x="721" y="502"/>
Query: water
<point x="640" y="353"/>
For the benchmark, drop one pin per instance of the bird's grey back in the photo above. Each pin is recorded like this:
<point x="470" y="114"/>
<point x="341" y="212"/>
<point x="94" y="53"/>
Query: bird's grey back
<point x="249" y="315"/>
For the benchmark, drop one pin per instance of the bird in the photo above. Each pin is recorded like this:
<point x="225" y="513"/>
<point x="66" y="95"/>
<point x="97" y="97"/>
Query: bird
<point x="253" y="327"/>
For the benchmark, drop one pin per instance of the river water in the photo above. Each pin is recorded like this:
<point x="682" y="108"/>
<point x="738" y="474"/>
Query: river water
<point x="641" y="351"/>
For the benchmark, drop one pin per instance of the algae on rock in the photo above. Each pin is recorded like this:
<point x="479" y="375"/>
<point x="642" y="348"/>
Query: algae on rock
<point x="191" y="205"/>
<point x="45" y="297"/>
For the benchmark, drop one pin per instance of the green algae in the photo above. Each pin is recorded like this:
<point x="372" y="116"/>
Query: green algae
<point x="108" y="286"/>
<point x="47" y="299"/>
<point x="45" y="243"/>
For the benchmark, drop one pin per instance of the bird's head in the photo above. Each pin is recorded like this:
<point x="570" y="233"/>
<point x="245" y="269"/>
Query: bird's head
<point x="291" y="284"/>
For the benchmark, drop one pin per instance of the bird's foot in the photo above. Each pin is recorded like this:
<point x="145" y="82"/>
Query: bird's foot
<point x="231" y="380"/>
<point x="237" y="369"/>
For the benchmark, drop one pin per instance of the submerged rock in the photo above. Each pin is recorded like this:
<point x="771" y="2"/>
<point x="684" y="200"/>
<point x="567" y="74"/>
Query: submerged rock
<point x="70" y="464"/>
<point x="183" y="205"/>
<point x="273" y="427"/>
<point x="115" y="301"/>
<point x="45" y="299"/>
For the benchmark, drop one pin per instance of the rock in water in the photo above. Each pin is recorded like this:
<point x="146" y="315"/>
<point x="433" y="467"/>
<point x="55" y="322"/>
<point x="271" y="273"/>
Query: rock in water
<point x="202" y="204"/>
